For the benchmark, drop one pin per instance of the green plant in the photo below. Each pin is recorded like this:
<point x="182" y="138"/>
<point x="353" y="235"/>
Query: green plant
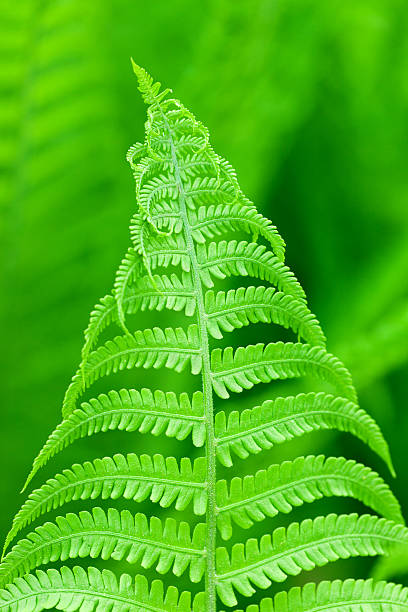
<point x="189" y="202"/>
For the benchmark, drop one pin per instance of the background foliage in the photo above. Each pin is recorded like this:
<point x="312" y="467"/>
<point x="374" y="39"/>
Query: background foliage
<point x="307" y="100"/>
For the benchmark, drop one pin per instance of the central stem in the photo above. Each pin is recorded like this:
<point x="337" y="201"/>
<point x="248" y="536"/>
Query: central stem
<point x="211" y="594"/>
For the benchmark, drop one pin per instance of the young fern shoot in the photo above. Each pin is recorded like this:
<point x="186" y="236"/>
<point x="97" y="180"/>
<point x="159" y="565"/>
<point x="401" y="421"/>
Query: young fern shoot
<point x="180" y="258"/>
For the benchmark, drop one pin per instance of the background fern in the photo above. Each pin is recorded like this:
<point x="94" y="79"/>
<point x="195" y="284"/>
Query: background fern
<point x="328" y="153"/>
<point x="174" y="264"/>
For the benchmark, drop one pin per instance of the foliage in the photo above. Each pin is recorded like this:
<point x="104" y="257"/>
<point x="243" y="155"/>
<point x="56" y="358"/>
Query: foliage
<point x="175" y="264"/>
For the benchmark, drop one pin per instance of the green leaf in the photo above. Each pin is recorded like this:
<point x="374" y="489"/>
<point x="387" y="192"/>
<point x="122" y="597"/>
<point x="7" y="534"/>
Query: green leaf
<point x="162" y="250"/>
<point x="292" y="483"/>
<point x="214" y="220"/>
<point x="161" y="479"/>
<point x="223" y="259"/>
<point x="112" y="535"/>
<point x="126" y="274"/>
<point x="151" y="348"/>
<point x="277" y="421"/>
<point x="145" y="293"/>
<point x="240" y="307"/>
<point x="128" y="410"/>
<point x="77" y="589"/>
<point x="302" y="547"/>
<point x="337" y="596"/>
<point x="256" y="363"/>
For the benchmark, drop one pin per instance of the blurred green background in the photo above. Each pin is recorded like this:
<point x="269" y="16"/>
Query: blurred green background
<point x="308" y="100"/>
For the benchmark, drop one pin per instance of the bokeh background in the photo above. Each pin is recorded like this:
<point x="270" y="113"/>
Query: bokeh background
<point x="308" y="100"/>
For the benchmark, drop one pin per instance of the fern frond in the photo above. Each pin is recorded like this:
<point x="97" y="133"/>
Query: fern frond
<point x="277" y="421"/>
<point x="188" y="201"/>
<point x="214" y="220"/>
<point x="337" y="596"/>
<point x="256" y="363"/>
<point x="77" y="589"/>
<point x="234" y="258"/>
<point x="240" y="307"/>
<point x="300" y="547"/>
<point x="110" y="535"/>
<point x="128" y="410"/>
<point x="161" y="479"/>
<point x="292" y="483"/>
<point x="151" y="348"/>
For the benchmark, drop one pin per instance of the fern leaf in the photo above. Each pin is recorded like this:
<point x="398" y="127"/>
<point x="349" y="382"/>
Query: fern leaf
<point x="277" y="421"/>
<point x="162" y="480"/>
<point x="234" y="258"/>
<point x="240" y="307"/>
<point x="110" y="535"/>
<point x="337" y="596"/>
<point x="151" y="348"/>
<point x="281" y="487"/>
<point x="76" y="589"/>
<point x="157" y="190"/>
<point x="145" y="293"/>
<point x="128" y="410"/>
<point x="246" y="367"/>
<point x="126" y="273"/>
<point x="164" y="251"/>
<point x="304" y="546"/>
<point x="135" y="152"/>
<point x="210" y="221"/>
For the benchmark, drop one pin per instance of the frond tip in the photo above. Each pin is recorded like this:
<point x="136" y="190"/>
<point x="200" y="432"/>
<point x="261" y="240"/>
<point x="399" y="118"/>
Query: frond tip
<point x="148" y="88"/>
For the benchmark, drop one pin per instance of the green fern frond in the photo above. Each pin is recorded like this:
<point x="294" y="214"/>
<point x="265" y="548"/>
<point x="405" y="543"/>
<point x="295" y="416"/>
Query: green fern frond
<point x="240" y="307"/>
<point x="337" y="596"/>
<point x="111" y="535"/>
<point x="277" y="421"/>
<point x="302" y="547"/>
<point x="150" y="348"/>
<point x="77" y="589"/>
<point x="128" y="410"/>
<point x="281" y="487"/>
<point x="187" y="196"/>
<point x="256" y="363"/>
<point x="163" y="480"/>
